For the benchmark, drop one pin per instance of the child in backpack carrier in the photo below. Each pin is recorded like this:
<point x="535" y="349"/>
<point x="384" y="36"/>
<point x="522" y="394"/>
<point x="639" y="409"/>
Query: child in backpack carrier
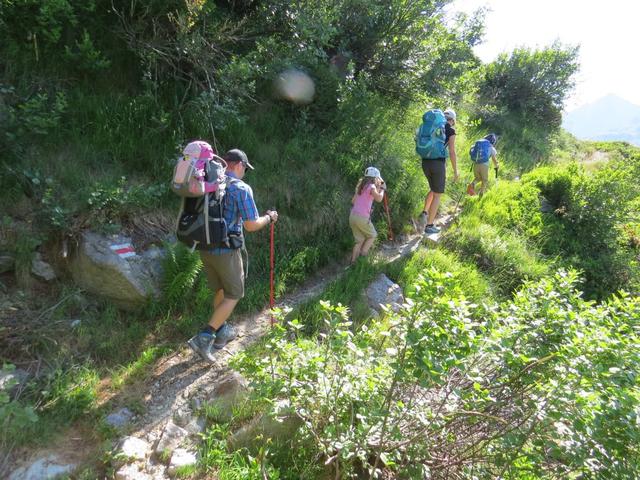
<point x="371" y="187"/>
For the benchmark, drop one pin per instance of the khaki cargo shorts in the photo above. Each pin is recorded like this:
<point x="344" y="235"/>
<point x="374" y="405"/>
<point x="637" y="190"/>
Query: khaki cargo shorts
<point x="225" y="272"/>
<point x="362" y="228"/>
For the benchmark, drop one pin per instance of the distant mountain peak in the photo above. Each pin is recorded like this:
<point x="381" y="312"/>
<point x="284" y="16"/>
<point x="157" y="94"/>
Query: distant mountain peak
<point x="608" y="118"/>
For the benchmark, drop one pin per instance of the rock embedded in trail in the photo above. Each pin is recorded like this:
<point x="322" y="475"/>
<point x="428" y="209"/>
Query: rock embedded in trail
<point x="172" y="437"/>
<point x="44" y="468"/>
<point x="132" y="472"/>
<point x="383" y="291"/>
<point x="120" y="418"/>
<point x="131" y="449"/>
<point x="181" y="458"/>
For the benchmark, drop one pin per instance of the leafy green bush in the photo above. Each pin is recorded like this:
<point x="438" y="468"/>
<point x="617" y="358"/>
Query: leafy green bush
<point x="579" y="218"/>
<point x="543" y="386"/>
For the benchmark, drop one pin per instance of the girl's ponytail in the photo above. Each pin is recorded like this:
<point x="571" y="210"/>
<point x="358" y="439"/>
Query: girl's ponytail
<point x="362" y="183"/>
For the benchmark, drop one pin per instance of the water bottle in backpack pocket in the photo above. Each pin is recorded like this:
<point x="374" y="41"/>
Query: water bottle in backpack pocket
<point x="480" y="152"/>
<point x="431" y="137"/>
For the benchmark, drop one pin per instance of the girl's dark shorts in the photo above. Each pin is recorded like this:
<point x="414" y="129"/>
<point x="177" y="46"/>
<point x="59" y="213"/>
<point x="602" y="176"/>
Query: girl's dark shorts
<point x="436" y="173"/>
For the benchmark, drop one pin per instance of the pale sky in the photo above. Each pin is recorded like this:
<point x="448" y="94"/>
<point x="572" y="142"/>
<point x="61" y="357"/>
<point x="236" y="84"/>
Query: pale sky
<point x="608" y="33"/>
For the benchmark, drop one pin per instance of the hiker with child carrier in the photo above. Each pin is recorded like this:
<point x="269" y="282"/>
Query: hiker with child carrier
<point x="435" y="141"/>
<point x="481" y="152"/>
<point x="217" y="207"/>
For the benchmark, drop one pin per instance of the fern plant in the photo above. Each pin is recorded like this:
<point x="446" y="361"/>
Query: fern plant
<point x="181" y="270"/>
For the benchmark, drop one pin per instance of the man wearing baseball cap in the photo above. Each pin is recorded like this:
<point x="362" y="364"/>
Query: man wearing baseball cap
<point x="224" y="266"/>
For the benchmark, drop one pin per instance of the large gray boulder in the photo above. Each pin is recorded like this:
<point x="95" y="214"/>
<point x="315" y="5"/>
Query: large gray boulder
<point x="109" y="266"/>
<point x="383" y="291"/>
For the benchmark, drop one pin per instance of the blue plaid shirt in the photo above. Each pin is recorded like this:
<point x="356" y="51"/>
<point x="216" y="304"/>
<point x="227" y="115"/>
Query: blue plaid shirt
<point x="238" y="206"/>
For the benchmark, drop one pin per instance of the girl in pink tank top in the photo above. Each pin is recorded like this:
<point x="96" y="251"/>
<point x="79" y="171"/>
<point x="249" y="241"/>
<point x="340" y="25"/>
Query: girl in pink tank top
<point x="371" y="187"/>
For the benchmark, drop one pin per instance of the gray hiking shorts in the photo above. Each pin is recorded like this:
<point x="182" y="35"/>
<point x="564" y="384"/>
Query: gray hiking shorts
<point x="436" y="173"/>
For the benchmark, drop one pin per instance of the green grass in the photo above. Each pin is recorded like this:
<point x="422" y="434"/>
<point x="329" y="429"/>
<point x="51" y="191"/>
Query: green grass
<point x="139" y="368"/>
<point x="59" y="399"/>
<point x="473" y="285"/>
<point x="236" y="465"/>
<point x="504" y="256"/>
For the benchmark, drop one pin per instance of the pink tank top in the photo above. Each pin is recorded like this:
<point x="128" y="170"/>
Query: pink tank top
<point x="362" y="205"/>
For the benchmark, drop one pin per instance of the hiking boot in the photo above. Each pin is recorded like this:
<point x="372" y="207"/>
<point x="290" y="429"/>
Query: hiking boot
<point x="431" y="229"/>
<point x="224" y="335"/>
<point x="202" y="344"/>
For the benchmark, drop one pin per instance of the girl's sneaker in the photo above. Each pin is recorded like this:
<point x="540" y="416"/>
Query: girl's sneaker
<point x="224" y="335"/>
<point x="203" y="345"/>
<point x="431" y="229"/>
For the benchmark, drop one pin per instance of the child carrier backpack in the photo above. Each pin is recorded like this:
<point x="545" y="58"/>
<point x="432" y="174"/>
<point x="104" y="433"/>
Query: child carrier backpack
<point x="480" y="152"/>
<point x="199" y="178"/>
<point x="189" y="172"/>
<point x="430" y="138"/>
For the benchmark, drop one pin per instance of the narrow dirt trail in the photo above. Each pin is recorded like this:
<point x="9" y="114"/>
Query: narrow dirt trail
<point x="183" y="379"/>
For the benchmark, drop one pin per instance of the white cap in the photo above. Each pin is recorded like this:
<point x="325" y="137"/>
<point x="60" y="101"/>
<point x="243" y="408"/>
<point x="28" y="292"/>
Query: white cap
<point x="372" y="172"/>
<point x="449" y="113"/>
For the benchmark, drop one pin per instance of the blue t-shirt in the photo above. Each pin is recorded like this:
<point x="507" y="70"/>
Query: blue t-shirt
<point x="238" y="206"/>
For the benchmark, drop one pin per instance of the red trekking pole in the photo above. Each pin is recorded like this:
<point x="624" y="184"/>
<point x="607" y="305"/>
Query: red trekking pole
<point x="271" y="273"/>
<point x="386" y="209"/>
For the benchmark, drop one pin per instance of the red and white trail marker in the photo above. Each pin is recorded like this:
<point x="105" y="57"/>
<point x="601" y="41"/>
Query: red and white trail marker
<point x="124" y="250"/>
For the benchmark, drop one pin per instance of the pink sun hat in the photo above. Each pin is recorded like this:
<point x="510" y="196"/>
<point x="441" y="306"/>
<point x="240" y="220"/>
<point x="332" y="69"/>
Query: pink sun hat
<point x="198" y="150"/>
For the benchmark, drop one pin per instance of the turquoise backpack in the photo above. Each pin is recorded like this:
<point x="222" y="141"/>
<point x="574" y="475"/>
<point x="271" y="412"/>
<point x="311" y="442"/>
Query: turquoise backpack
<point x="430" y="139"/>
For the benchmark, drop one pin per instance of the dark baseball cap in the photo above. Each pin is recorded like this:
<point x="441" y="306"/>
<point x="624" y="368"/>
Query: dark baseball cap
<point x="236" y="155"/>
